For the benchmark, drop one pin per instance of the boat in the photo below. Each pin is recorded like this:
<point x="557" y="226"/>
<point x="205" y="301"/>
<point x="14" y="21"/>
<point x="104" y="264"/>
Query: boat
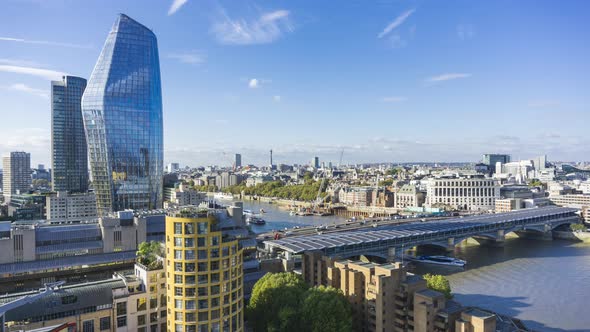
<point x="253" y="220"/>
<point x="438" y="260"/>
<point x="223" y="196"/>
<point x="262" y="211"/>
<point x="292" y="213"/>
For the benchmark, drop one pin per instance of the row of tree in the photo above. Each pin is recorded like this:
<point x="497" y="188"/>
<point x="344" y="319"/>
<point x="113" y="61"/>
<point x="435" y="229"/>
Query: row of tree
<point x="284" y="302"/>
<point x="300" y="192"/>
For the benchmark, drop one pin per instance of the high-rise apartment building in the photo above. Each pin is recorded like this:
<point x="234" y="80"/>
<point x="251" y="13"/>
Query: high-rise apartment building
<point x="204" y="273"/>
<point x="238" y="161"/>
<point x="16" y="173"/>
<point x="122" y="112"/>
<point x="69" y="156"/>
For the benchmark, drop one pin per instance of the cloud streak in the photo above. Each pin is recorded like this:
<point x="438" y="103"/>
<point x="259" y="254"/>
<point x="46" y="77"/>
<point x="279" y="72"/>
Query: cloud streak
<point x="43" y="42"/>
<point x="193" y="58"/>
<point x="27" y="89"/>
<point x="176" y="4"/>
<point x="253" y="83"/>
<point x="47" y="74"/>
<point x="396" y="23"/>
<point x="447" y="77"/>
<point x="267" y="28"/>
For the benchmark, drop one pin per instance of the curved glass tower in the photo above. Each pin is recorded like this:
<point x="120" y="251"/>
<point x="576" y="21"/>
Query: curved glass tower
<point x="122" y="111"/>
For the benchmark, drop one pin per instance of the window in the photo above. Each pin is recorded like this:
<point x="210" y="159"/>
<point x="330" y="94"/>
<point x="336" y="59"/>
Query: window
<point x="122" y="321"/>
<point x="190" y="317"/>
<point x="69" y="299"/>
<point x="202" y="228"/>
<point x="153" y="302"/>
<point x="141" y="304"/>
<point x="122" y="309"/>
<point x="178" y="304"/>
<point x="177" y="254"/>
<point x="189" y="267"/>
<point x="178" y="242"/>
<point x="189" y="243"/>
<point x="154" y="317"/>
<point x="202" y="254"/>
<point x="189" y="280"/>
<point x="190" y="292"/>
<point x="141" y="320"/>
<point x="88" y="326"/>
<point x="105" y="323"/>
<point x="201" y="242"/>
<point x="189" y="228"/>
<point x="177" y="228"/>
<point x="178" y="279"/>
<point x="189" y="254"/>
<point x="178" y="291"/>
<point x="215" y="240"/>
<point x="190" y="304"/>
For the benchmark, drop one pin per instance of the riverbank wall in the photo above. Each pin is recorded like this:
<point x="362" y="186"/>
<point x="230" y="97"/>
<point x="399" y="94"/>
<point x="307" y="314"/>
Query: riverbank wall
<point x="575" y="236"/>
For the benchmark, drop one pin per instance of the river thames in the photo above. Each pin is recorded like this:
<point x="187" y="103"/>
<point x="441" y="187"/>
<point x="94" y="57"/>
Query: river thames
<point x="546" y="284"/>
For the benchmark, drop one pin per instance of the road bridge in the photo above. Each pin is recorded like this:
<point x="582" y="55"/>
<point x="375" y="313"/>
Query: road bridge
<point x="388" y="241"/>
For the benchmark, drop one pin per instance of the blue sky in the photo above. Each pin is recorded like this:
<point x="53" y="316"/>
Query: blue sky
<point x="381" y="80"/>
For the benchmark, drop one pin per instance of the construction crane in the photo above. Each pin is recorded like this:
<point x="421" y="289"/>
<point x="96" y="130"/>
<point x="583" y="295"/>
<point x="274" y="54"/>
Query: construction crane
<point x="49" y="289"/>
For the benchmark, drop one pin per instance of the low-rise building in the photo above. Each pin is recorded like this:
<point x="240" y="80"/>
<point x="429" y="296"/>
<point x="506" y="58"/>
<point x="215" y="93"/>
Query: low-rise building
<point x="183" y="195"/>
<point x="62" y="206"/>
<point x="508" y="204"/>
<point x="408" y="196"/>
<point x="130" y="301"/>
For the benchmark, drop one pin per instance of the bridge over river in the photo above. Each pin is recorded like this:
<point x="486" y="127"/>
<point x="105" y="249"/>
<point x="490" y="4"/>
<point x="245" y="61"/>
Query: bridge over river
<point x="387" y="241"/>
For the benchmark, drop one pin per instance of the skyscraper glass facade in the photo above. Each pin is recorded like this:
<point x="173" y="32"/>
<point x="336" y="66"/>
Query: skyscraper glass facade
<point x="122" y="111"/>
<point x="69" y="154"/>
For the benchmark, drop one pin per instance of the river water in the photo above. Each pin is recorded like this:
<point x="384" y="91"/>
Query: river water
<point x="544" y="283"/>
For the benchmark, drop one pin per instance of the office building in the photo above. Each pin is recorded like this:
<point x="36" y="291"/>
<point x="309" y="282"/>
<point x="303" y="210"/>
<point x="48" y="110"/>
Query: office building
<point x="172" y="168"/>
<point x="315" y="162"/>
<point x="122" y="112"/>
<point x="228" y="179"/>
<point x="64" y="207"/>
<point x="183" y="195"/>
<point x="16" y="174"/>
<point x="69" y="156"/>
<point x="408" y="196"/>
<point x="238" y="161"/>
<point x="204" y="271"/>
<point x="492" y="160"/>
<point x="26" y="206"/>
<point x="463" y="193"/>
<point x="356" y="196"/>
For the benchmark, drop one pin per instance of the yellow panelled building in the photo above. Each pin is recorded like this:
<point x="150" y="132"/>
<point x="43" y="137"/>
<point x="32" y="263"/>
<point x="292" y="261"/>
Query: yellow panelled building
<point x="204" y="275"/>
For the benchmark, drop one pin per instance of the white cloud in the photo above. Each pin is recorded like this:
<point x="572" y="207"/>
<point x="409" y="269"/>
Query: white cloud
<point x="276" y="98"/>
<point x="176" y="4"/>
<point x="27" y="89"/>
<point x="43" y="42"/>
<point x="266" y="29"/>
<point x="465" y="31"/>
<point x="393" y="99"/>
<point x="39" y="72"/>
<point x="253" y="83"/>
<point x="396" y="23"/>
<point x="447" y="77"/>
<point x="192" y="57"/>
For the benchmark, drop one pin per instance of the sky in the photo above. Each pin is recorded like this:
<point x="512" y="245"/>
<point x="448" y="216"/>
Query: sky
<point x="375" y="81"/>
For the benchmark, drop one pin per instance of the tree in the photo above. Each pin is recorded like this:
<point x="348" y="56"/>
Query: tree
<point x="325" y="309"/>
<point x="275" y="302"/>
<point x="147" y="254"/>
<point x="438" y="283"/>
<point x="578" y="227"/>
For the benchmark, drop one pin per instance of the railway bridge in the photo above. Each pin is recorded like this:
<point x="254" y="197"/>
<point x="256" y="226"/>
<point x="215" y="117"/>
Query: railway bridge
<point x="389" y="241"/>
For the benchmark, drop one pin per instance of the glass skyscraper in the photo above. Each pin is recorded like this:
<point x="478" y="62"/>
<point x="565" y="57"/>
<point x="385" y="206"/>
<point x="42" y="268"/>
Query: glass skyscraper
<point x="69" y="155"/>
<point x="122" y="111"/>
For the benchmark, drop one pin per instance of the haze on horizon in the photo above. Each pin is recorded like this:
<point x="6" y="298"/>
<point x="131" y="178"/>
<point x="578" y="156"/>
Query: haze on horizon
<point x="385" y="81"/>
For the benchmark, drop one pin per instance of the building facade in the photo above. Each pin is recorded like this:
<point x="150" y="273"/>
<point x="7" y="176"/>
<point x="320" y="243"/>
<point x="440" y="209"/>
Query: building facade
<point x="69" y="156"/>
<point x="408" y="196"/>
<point x="204" y="274"/>
<point x="468" y="193"/>
<point x="62" y="206"/>
<point x="492" y="160"/>
<point x="122" y="112"/>
<point x="16" y="173"/>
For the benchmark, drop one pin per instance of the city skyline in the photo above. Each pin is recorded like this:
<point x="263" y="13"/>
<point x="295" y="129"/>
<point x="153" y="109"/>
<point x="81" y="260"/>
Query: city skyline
<point x="501" y="79"/>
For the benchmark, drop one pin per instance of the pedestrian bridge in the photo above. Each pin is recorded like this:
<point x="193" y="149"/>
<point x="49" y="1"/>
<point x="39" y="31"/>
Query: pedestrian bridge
<point x="387" y="241"/>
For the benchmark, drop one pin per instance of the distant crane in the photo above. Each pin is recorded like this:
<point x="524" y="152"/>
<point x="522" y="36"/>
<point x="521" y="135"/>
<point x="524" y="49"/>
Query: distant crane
<point x="49" y="289"/>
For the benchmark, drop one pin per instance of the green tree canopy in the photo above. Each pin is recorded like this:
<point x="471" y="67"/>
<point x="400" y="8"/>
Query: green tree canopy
<point x="283" y="302"/>
<point x="147" y="254"/>
<point x="578" y="227"/>
<point x="325" y="309"/>
<point x="275" y="300"/>
<point x="438" y="283"/>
